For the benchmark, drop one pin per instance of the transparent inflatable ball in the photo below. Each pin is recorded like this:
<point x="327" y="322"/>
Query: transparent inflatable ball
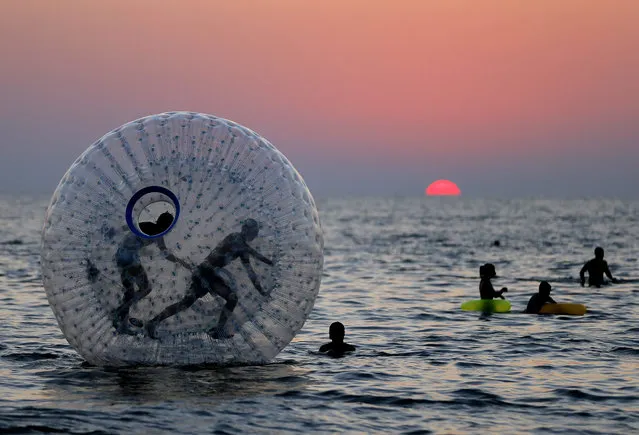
<point x="179" y="239"/>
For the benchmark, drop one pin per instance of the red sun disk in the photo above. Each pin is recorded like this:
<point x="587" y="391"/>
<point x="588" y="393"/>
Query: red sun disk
<point x="443" y="188"/>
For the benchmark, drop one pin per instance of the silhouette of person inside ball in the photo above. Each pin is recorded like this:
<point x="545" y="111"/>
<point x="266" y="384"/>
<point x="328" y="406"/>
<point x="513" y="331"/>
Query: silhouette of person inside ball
<point x="210" y="278"/>
<point x="596" y="269"/>
<point x="132" y="274"/>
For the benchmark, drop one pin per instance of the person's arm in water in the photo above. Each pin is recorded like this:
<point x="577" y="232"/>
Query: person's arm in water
<point x="608" y="274"/>
<point x="550" y="300"/>
<point x="338" y="349"/>
<point x="169" y="255"/>
<point x="251" y="273"/>
<point x="583" y="270"/>
<point x="326" y="347"/>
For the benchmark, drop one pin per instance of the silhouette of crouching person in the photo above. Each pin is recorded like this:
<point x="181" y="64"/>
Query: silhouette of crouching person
<point x="205" y="280"/>
<point x="132" y="273"/>
<point x="210" y="278"/>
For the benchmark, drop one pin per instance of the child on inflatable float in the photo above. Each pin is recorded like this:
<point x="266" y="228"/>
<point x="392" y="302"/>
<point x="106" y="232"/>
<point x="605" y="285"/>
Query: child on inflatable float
<point x="486" y="289"/>
<point x="538" y="300"/>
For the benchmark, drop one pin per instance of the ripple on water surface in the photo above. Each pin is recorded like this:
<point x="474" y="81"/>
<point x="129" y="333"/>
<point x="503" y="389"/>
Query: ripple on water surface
<point x="396" y="273"/>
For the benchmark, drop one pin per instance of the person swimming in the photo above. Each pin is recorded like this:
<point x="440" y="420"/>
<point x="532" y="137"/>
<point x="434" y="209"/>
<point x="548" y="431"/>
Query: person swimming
<point x="337" y="346"/>
<point x="538" y="300"/>
<point x="486" y="289"/>
<point x="132" y="274"/>
<point x="596" y="269"/>
<point x="210" y="277"/>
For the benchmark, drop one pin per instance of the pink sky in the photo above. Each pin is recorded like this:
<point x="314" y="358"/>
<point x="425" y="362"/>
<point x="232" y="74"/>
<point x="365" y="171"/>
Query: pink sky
<point x="458" y="83"/>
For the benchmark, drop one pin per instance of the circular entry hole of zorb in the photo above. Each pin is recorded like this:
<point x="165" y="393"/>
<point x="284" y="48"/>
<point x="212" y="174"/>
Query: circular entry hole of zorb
<point x="152" y="211"/>
<point x="179" y="239"/>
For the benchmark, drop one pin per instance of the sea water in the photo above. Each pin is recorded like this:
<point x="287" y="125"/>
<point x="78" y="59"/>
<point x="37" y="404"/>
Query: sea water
<point x="396" y="272"/>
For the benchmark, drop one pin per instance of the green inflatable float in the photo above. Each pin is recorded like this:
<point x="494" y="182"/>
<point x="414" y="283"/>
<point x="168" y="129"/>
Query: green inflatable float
<point x="487" y="305"/>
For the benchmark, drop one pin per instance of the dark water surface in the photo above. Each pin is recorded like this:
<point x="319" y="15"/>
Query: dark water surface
<point x="396" y="272"/>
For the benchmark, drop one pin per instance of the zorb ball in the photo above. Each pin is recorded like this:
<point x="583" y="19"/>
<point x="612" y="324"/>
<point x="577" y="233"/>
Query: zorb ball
<point x="178" y="239"/>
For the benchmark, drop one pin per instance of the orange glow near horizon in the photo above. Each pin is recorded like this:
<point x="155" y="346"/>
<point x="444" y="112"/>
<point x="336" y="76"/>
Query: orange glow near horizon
<point x="455" y="84"/>
<point x="443" y="188"/>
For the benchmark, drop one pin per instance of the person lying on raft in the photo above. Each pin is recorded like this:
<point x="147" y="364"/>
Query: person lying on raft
<point x="486" y="290"/>
<point x="336" y="347"/>
<point x="596" y="269"/>
<point x="132" y="274"/>
<point x="538" y="300"/>
<point x="210" y="277"/>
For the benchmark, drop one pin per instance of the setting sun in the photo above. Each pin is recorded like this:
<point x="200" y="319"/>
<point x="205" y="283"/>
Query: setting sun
<point x="443" y="188"/>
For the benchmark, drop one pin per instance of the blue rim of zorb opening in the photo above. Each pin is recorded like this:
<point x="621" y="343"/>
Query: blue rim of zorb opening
<point x="141" y="193"/>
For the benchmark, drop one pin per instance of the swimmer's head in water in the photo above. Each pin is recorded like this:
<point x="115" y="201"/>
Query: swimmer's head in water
<point x="164" y="221"/>
<point x="545" y="288"/>
<point x="336" y="331"/>
<point x="599" y="253"/>
<point x="250" y="228"/>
